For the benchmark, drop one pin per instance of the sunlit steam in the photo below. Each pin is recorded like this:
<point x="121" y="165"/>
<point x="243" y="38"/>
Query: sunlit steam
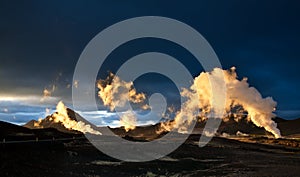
<point x="238" y="93"/>
<point x="47" y="111"/>
<point x="75" y="84"/>
<point x="128" y="120"/>
<point x="61" y="116"/>
<point x="48" y="93"/>
<point x="115" y="92"/>
<point x="200" y="101"/>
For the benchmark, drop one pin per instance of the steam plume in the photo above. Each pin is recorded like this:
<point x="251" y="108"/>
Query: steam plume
<point x="238" y="93"/>
<point x="128" y="120"/>
<point x="48" y="92"/>
<point x="115" y="92"/>
<point x="75" y="84"/>
<point x="61" y="116"/>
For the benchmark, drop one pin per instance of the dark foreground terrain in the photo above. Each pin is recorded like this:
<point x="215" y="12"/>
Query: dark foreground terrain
<point x="242" y="149"/>
<point x="221" y="157"/>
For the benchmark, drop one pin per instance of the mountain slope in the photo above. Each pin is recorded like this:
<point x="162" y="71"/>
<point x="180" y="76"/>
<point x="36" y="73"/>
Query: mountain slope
<point x="49" y="122"/>
<point x="8" y="129"/>
<point x="231" y="127"/>
<point x="289" y="127"/>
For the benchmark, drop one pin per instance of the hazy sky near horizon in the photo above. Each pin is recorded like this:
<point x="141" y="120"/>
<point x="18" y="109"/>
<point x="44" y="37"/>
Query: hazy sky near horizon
<point x="41" y="41"/>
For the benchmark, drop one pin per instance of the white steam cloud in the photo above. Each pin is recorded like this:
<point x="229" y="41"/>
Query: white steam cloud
<point x="238" y="93"/>
<point x="199" y="101"/>
<point x="115" y="92"/>
<point x="47" y="93"/>
<point x="61" y="116"/>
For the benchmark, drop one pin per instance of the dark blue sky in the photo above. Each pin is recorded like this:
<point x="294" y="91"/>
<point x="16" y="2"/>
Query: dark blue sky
<point x="39" y="40"/>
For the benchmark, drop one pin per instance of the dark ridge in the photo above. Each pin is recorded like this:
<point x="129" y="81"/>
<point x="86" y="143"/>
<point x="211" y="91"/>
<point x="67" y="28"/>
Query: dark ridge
<point x="8" y="129"/>
<point x="289" y="127"/>
<point x="150" y="132"/>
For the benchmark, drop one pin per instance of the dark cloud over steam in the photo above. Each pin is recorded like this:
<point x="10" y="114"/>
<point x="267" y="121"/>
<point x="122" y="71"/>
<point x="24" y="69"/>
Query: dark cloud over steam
<point x="41" y="39"/>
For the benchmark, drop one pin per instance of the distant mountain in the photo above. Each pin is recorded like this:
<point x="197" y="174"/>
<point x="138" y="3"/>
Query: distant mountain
<point x="148" y="132"/>
<point x="231" y="127"/>
<point x="142" y="132"/>
<point x="11" y="132"/>
<point x="8" y="129"/>
<point x="49" y="123"/>
<point x="289" y="127"/>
